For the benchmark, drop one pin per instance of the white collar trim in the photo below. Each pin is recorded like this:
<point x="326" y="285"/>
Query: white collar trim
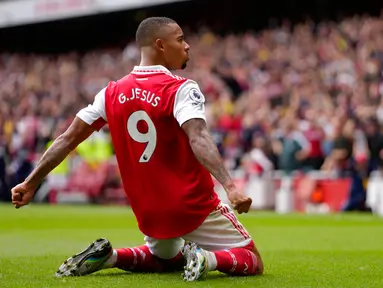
<point x="150" y="69"/>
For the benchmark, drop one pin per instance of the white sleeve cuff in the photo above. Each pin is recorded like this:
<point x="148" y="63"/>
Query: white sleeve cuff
<point x="189" y="103"/>
<point x="94" y="114"/>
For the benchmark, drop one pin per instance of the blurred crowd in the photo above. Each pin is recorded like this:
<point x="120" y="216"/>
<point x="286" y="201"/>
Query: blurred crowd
<point x="293" y="98"/>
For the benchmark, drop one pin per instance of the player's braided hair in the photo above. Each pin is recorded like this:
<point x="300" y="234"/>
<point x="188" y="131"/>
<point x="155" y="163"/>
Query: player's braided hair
<point x="149" y="29"/>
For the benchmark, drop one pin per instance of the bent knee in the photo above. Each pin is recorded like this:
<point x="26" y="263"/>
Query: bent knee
<point x="253" y="248"/>
<point x="260" y="267"/>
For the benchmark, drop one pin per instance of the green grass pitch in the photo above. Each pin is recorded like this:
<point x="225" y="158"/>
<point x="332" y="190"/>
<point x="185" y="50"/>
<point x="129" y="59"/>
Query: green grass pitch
<point x="298" y="250"/>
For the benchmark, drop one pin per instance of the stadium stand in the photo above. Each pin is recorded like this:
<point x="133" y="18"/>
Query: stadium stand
<point x="286" y="97"/>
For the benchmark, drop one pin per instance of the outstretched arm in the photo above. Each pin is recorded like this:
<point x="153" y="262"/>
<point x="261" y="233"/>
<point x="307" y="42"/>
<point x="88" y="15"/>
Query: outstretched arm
<point x="85" y="123"/>
<point x="78" y="131"/>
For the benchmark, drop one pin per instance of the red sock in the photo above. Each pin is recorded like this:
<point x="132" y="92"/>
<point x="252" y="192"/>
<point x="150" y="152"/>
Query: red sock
<point x="139" y="259"/>
<point x="236" y="261"/>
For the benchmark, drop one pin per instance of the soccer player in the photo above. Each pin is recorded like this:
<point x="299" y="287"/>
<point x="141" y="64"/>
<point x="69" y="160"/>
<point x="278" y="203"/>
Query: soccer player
<point x="166" y="157"/>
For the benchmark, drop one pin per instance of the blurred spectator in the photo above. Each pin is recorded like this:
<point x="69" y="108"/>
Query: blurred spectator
<point x="375" y="145"/>
<point x="296" y="87"/>
<point x="293" y="148"/>
<point x="259" y="160"/>
<point x="314" y="134"/>
<point x="348" y="158"/>
<point x="4" y="190"/>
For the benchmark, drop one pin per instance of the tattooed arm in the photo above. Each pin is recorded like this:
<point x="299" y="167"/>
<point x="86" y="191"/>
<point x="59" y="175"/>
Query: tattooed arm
<point x="59" y="150"/>
<point x="85" y="123"/>
<point x="207" y="154"/>
<point x="189" y="111"/>
<point x="23" y="193"/>
<point x="206" y="151"/>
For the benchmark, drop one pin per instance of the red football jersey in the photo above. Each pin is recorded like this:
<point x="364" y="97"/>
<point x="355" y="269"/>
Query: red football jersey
<point x="170" y="192"/>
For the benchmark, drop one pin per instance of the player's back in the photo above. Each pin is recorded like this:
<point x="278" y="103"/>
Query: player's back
<point x="170" y="192"/>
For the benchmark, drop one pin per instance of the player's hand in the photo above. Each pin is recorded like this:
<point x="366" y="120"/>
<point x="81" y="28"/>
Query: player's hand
<point x="22" y="194"/>
<point x="239" y="201"/>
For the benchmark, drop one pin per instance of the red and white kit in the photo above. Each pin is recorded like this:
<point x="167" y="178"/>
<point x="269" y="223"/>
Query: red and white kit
<point x="170" y="192"/>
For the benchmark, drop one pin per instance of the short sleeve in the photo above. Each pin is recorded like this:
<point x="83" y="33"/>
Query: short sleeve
<point x="94" y="114"/>
<point x="189" y="103"/>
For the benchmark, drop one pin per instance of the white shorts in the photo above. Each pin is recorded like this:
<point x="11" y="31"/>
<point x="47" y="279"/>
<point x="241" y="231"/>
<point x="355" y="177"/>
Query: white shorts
<point x="221" y="230"/>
